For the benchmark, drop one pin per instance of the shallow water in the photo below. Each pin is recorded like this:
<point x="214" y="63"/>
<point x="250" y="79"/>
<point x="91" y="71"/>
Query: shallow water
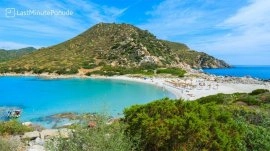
<point x="39" y="97"/>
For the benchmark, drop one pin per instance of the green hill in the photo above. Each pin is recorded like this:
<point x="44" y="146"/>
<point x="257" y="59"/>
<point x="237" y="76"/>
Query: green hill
<point x="6" y="55"/>
<point x="114" y="45"/>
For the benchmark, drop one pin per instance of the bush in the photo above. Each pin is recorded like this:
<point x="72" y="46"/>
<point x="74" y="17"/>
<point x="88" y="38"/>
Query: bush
<point x="13" y="127"/>
<point x="265" y="97"/>
<point x="103" y="137"/>
<point x="257" y="138"/>
<point x="102" y="63"/>
<point x="218" y="98"/>
<point x="37" y="70"/>
<point x="4" y="70"/>
<point x="66" y="71"/>
<point x="178" y="125"/>
<point x="148" y="66"/>
<point x="209" y="123"/>
<point x="110" y="71"/>
<point x="250" y="100"/>
<point x="87" y="65"/>
<point x="6" y="145"/>
<point x="259" y="91"/>
<point x="172" y="71"/>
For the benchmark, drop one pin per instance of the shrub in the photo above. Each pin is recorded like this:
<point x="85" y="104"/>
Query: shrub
<point x="102" y="63"/>
<point x="88" y="65"/>
<point x="259" y="91"/>
<point x="6" y="145"/>
<point x="110" y="71"/>
<point x="4" y="70"/>
<point x="172" y="71"/>
<point x="250" y="100"/>
<point x="178" y="125"/>
<point x="37" y="70"/>
<point x="265" y="97"/>
<point x="66" y="71"/>
<point x="103" y="137"/>
<point x="219" y="99"/>
<point x="257" y="138"/>
<point x="148" y="66"/>
<point x="13" y="127"/>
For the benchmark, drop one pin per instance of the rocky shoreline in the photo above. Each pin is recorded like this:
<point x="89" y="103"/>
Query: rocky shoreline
<point x="36" y="140"/>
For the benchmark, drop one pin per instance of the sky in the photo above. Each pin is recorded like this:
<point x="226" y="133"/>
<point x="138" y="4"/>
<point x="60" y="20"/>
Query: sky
<point x="237" y="31"/>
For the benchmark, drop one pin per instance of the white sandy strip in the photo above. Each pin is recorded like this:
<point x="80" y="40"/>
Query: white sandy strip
<point x="197" y="92"/>
<point x="159" y="82"/>
<point x="180" y="92"/>
<point x="223" y="88"/>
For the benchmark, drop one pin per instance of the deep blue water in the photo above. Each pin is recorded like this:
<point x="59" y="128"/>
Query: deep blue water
<point x="39" y="97"/>
<point x="261" y="72"/>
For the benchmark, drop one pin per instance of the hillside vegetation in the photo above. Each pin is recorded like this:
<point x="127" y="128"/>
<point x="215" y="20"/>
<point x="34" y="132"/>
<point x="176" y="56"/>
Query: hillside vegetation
<point x="6" y="55"/>
<point x="115" y="45"/>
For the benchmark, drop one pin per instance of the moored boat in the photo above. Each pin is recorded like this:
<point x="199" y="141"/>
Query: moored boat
<point x="14" y="113"/>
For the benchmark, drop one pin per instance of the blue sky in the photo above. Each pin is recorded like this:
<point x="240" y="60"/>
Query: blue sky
<point x="237" y="31"/>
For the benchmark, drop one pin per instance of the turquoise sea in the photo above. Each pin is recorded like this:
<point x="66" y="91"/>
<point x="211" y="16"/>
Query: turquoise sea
<point x="38" y="97"/>
<point x="261" y="72"/>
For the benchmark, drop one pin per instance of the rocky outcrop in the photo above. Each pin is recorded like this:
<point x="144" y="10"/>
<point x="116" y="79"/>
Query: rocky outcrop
<point x="31" y="135"/>
<point x="36" y="148"/>
<point x="37" y="140"/>
<point x="200" y="60"/>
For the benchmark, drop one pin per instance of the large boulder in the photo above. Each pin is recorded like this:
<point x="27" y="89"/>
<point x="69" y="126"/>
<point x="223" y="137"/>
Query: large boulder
<point x="31" y="135"/>
<point x="36" y="148"/>
<point x="48" y="133"/>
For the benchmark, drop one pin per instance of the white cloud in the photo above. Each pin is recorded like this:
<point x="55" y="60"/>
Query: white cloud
<point x="223" y="29"/>
<point x="178" y="18"/>
<point x="249" y="32"/>
<point x="170" y="18"/>
<point x="256" y="14"/>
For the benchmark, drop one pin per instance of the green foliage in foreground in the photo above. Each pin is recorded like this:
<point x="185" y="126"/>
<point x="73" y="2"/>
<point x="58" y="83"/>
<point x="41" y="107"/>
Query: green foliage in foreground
<point x="218" y="122"/>
<point x="103" y="137"/>
<point x="259" y="91"/>
<point x="173" y="125"/>
<point x="6" y="145"/>
<point x="13" y="127"/>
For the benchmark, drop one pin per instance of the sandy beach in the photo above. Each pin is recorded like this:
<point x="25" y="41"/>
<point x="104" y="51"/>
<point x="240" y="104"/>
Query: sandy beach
<point x="187" y="88"/>
<point x="191" y="88"/>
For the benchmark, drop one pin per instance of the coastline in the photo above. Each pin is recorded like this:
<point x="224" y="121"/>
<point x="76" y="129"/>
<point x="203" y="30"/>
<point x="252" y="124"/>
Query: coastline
<point x="191" y="87"/>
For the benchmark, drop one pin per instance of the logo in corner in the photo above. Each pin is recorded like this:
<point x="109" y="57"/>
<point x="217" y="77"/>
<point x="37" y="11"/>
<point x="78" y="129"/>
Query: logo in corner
<point x="10" y="12"/>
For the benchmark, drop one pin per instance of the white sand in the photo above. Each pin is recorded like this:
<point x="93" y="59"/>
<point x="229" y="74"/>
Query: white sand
<point x="197" y="91"/>
<point x="188" y="88"/>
